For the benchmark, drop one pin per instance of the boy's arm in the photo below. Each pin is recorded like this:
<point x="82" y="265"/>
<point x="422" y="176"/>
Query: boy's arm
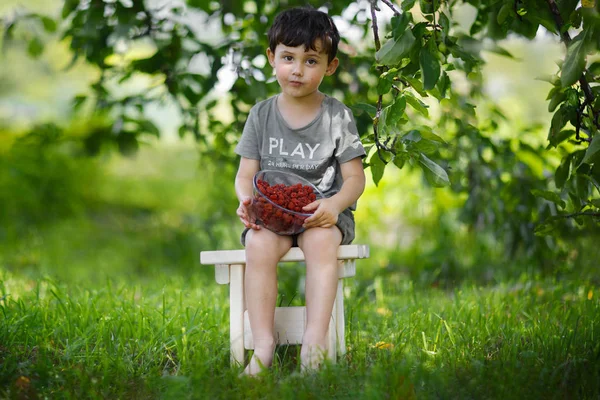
<point x="245" y="174"/>
<point x="243" y="189"/>
<point x="327" y="210"/>
<point x="353" y="186"/>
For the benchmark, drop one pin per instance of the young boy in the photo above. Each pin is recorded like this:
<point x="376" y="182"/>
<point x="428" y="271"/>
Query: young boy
<point x="303" y="131"/>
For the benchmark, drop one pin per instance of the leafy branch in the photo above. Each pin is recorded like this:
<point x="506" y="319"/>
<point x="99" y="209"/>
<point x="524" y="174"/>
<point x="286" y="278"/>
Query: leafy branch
<point x="578" y="214"/>
<point x="381" y="69"/>
<point x="583" y="82"/>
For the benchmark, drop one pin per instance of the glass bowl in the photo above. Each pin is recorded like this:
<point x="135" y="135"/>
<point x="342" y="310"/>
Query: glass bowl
<point x="278" y="200"/>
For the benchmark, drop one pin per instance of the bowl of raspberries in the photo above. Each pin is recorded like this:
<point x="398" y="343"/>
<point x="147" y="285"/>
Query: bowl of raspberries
<point x="278" y="200"/>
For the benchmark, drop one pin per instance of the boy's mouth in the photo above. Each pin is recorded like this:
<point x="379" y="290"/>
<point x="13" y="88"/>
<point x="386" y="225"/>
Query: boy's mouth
<point x="295" y="83"/>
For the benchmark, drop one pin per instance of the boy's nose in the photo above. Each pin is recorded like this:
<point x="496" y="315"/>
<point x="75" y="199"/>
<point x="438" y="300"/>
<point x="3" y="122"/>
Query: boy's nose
<point x="297" y="70"/>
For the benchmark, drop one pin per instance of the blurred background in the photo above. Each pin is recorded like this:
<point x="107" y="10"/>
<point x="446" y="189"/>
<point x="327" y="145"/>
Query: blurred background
<point x="80" y="200"/>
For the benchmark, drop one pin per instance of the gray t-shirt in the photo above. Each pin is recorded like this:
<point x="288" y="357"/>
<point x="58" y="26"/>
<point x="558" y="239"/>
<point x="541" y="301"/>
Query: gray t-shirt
<point x="314" y="151"/>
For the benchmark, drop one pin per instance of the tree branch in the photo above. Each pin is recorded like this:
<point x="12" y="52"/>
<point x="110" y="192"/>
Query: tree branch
<point x="578" y="214"/>
<point x="374" y="24"/>
<point x="566" y="38"/>
<point x="375" y="28"/>
<point x="391" y="5"/>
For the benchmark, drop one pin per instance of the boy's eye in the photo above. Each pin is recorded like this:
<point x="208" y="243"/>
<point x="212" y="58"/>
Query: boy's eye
<point x="311" y="61"/>
<point x="288" y="58"/>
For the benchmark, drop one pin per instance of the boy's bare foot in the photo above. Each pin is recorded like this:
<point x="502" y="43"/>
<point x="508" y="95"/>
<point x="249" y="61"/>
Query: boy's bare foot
<point x="312" y="357"/>
<point x="262" y="357"/>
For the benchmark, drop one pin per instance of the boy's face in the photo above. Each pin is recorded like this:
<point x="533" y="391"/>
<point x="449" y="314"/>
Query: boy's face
<point x="300" y="72"/>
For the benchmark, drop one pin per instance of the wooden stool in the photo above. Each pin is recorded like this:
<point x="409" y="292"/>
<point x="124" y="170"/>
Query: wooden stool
<point x="290" y="322"/>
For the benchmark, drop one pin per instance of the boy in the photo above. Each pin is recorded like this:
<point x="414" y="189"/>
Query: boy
<point x="315" y="136"/>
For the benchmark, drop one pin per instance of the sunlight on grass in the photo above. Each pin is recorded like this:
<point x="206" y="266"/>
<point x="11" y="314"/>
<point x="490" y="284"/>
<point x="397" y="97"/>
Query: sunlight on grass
<point x="111" y="302"/>
<point x="165" y="335"/>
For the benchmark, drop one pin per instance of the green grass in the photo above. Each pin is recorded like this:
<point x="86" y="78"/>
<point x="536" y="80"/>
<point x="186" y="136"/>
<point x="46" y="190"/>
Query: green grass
<point x="167" y="337"/>
<point x="111" y="303"/>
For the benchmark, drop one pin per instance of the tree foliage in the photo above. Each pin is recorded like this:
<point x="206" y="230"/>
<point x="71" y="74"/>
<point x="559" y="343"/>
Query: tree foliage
<point x="392" y="72"/>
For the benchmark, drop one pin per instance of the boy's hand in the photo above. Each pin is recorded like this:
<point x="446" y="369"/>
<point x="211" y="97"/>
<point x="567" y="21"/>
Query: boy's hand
<point x="244" y="213"/>
<point x="325" y="215"/>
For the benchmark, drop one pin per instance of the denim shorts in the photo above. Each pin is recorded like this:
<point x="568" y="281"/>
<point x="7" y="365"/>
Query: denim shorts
<point x="345" y="224"/>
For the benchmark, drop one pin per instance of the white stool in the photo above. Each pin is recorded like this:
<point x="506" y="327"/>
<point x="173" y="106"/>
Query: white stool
<point x="290" y="322"/>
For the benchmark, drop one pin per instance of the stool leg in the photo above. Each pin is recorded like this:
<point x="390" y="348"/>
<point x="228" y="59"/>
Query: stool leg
<point x="332" y="337"/>
<point x="236" y="314"/>
<point x="340" y="320"/>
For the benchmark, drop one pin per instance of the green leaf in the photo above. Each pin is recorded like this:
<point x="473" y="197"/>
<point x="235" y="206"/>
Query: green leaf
<point x="78" y="102"/>
<point x="127" y="143"/>
<point x="183" y="129"/>
<point x="400" y="159"/>
<point x="399" y="24"/>
<point x="576" y="201"/>
<point x="412" y="136"/>
<point x="445" y="24"/>
<point x="574" y="61"/>
<point x="383" y="86"/>
<point x="425" y="146"/>
<point x="594" y="68"/>
<point x="426" y="133"/>
<point x="551" y="79"/>
<point x="429" y="6"/>
<point x="595" y="203"/>
<point x="576" y="18"/>
<point x="443" y="84"/>
<point x="49" y="24"/>
<point x="192" y="96"/>
<point x="392" y="51"/>
<point x="593" y="148"/>
<point x="578" y="157"/>
<point x="504" y="12"/>
<point x="377" y="168"/>
<point x="552" y="91"/>
<point x="408" y="4"/>
<point x="430" y="67"/>
<point x="435" y="175"/>
<point x="417" y="104"/>
<point x="561" y="137"/>
<point x="420" y="30"/>
<point x="495" y="48"/>
<point x="550" y="196"/>
<point x="35" y="47"/>
<point x="582" y="186"/>
<point x="149" y="127"/>
<point x="416" y="84"/>
<point x="545" y="228"/>
<point x="572" y="97"/>
<point x="68" y="7"/>
<point x="359" y="108"/>
<point x="559" y="119"/>
<point x="595" y="173"/>
<point x="395" y="111"/>
<point x="480" y="21"/>
<point x="7" y="35"/>
<point x="558" y="97"/>
<point x="562" y="172"/>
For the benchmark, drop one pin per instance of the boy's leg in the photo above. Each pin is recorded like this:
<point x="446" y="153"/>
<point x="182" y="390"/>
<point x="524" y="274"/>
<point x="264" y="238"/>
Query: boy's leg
<point x="263" y="251"/>
<point x="320" y="247"/>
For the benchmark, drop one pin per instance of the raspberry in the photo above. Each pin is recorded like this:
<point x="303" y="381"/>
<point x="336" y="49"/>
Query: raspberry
<point x="291" y="198"/>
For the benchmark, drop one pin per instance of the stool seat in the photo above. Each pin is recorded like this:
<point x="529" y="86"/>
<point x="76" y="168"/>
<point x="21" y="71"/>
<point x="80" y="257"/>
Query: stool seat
<point x="290" y="322"/>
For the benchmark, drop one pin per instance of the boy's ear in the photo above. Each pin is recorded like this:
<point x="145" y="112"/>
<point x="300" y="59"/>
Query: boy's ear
<point x="332" y="66"/>
<point x="271" y="57"/>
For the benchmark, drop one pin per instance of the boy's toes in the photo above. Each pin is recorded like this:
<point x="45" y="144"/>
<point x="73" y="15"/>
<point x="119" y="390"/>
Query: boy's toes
<point x="254" y="367"/>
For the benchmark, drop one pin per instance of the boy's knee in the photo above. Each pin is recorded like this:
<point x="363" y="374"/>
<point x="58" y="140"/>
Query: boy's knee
<point x="321" y="237"/>
<point x="263" y="240"/>
<point x="257" y="239"/>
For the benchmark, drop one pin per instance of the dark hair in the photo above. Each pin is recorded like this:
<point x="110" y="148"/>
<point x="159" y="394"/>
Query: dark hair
<point x="304" y="25"/>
